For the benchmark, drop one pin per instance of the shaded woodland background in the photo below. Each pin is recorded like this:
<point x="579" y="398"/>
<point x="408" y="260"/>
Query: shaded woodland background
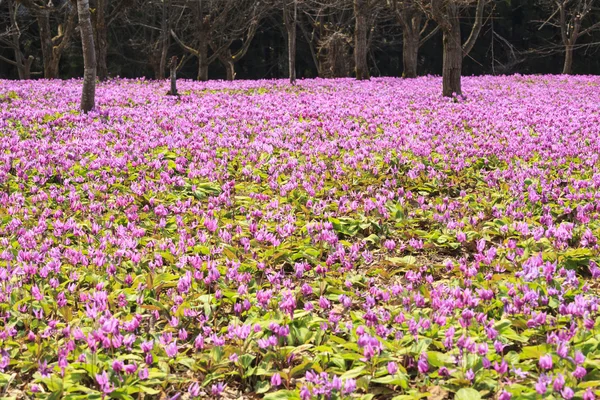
<point x="249" y="39"/>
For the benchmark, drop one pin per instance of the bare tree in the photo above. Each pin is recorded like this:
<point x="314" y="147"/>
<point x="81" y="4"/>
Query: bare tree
<point x="88" y="93"/>
<point x="242" y="26"/>
<point x="53" y="45"/>
<point x="361" y="11"/>
<point x="571" y="17"/>
<point x="150" y="22"/>
<point x="447" y="15"/>
<point x="290" y="18"/>
<point x="164" y="38"/>
<point x="217" y="25"/>
<point x="12" y="39"/>
<point x="411" y="16"/>
<point x="327" y="27"/>
<point x="104" y="14"/>
<point x="365" y="13"/>
<point x="200" y="34"/>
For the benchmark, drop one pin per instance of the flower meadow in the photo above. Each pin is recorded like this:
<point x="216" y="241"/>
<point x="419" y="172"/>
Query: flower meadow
<point x="333" y="240"/>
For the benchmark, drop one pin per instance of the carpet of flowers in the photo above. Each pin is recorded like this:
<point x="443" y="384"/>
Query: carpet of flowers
<point x="333" y="240"/>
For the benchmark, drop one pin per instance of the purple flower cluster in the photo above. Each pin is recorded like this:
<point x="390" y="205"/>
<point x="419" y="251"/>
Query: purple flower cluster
<point x="326" y="240"/>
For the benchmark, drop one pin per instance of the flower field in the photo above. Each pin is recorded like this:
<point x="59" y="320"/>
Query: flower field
<point x="334" y="240"/>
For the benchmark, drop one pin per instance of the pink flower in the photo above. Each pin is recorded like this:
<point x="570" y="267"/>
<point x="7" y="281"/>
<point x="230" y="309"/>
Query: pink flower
<point x="392" y="368"/>
<point x="545" y="362"/>
<point x="35" y="292"/>
<point x="579" y="372"/>
<point x="559" y="382"/>
<point x="589" y="394"/>
<point x="567" y="393"/>
<point x="276" y="380"/>
<point x="117" y="365"/>
<point x="130" y="368"/>
<point x="504" y="395"/>
<point x="104" y="383"/>
<point x="171" y="349"/>
<point x="423" y="365"/>
<point x="470" y="375"/>
<point x="143" y="374"/>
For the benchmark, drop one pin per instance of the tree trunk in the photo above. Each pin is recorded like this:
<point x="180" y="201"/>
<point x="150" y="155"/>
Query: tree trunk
<point x="173" y="65"/>
<point x="228" y="63"/>
<point x="230" y="69"/>
<point x="25" y="70"/>
<point x="290" y="17"/>
<point x="164" y="32"/>
<point x="568" y="65"/>
<point x="453" y="55"/>
<point x="88" y="94"/>
<point x="50" y="65"/>
<point x="101" y="40"/>
<point x="51" y="71"/>
<point x="15" y="38"/>
<point x="155" y="65"/>
<point x="53" y="47"/>
<point x="360" y="39"/>
<point x="410" y="52"/>
<point x="410" y="18"/>
<point x="203" y="59"/>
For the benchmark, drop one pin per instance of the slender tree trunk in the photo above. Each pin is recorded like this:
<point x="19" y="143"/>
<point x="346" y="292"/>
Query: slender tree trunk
<point x="173" y="66"/>
<point x="230" y="69"/>
<point x="203" y="59"/>
<point x="410" y="52"/>
<point x="88" y="94"/>
<point x="53" y="69"/>
<point x="311" y="45"/>
<point x="50" y="65"/>
<point x="164" y="32"/>
<point x="410" y="19"/>
<point x="15" y="39"/>
<point x="155" y="65"/>
<point x="568" y="64"/>
<point x="26" y="69"/>
<point x="101" y="40"/>
<point x="453" y="55"/>
<point x="228" y="62"/>
<point x="290" y="16"/>
<point x="162" y="65"/>
<point x="292" y="55"/>
<point x="446" y="14"/>
<point x="53" y="47"/>
<point x="360" y="39"/>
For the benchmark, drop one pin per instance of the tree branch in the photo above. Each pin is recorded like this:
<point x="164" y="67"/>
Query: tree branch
<point x="185" y="47"/>
<point x="429" y="36"/>
<point x="8" y="61"/>
<point x="468" y="46"/>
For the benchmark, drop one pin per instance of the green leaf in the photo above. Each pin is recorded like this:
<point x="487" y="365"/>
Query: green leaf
<point x="282" y="395"/>
<point x="186" y="362"/>
<point x="467" y="394"/>
<point x="148" y="390"/>
<point x="262" y="387"/>
<point x="246" y="360"/>
<point x="406" y="260"/>
<point x="301" y="369"/>
<point x="120" y="394"/>
<point x="437" y="359"/>
<point x="398" y="379"/>
<point x="534" y="352"/>
<point x="354" y="372"/>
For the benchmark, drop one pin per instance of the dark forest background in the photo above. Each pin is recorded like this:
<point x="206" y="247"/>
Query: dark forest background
<point x="517" y="36"/>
